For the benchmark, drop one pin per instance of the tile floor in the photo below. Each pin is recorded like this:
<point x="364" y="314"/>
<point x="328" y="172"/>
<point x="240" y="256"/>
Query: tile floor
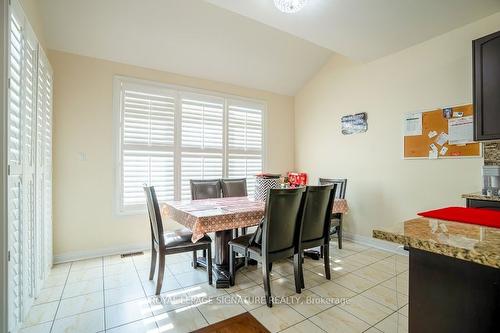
<point x="368" y="292"/>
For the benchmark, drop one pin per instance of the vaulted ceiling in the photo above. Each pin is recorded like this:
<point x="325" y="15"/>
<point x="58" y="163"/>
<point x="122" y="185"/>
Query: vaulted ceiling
<point x="249" y="42"/>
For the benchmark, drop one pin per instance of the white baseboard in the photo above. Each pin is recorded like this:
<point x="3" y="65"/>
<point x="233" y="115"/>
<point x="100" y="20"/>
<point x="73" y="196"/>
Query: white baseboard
<point x="79" y="255"/>
<point x="376" y="243"/>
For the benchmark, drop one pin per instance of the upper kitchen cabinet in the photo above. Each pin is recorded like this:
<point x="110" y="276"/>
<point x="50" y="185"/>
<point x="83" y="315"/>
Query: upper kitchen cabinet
<point x="486" y="52"/>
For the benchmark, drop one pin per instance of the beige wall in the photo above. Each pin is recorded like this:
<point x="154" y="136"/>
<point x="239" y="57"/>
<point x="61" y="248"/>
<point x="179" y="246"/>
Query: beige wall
<point x="84" y="222"/>
<point x="384" y="189"/>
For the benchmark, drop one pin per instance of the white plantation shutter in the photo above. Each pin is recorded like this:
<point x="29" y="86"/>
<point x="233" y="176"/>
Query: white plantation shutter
<point x="170" y="135"/>
<point x="15" y="185"/>
<point x="245" y="141"/>
<point x="29" y="190"/>
<point x="202" y="136"/>
<point x="147" y="151"/>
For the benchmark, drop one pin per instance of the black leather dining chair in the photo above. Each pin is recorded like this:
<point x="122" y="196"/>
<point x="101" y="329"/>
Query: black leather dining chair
<point x="205" y="189"/>
<point x="280" y="236"/>
<point x="163" y="244"/>
<point x="233" y="187"/>
<point x="316" y="223"/>
<point x="337" y="219"/>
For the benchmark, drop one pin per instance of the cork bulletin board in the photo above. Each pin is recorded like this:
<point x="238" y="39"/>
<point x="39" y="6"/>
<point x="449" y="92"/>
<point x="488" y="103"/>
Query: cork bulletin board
<point x="433" y="124"/>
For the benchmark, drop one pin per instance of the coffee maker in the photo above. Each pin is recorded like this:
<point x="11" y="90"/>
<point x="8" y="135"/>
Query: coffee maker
<point x="491" y="180"/>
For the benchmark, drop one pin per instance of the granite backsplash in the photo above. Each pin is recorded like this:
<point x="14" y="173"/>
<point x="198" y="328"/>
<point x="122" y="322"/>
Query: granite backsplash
<point x="491" y="153"/>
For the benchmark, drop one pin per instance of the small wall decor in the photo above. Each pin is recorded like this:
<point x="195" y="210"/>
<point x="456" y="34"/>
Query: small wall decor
<point x="356" y="123"/>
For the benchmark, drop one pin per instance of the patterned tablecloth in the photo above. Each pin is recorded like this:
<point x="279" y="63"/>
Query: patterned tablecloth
<point x="210" y="215"/>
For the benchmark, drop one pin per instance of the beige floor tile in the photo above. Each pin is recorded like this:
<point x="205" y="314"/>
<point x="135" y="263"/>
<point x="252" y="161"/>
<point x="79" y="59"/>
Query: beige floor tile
<point x="250" y="298"/>
<point x="171" y="300"/>
<point x="282" y="287"/>
<point x="42" y="313"/>
<point x="353" y="246"/>
<point x="88" y="322"/>
<point x="128" y="312"/>
<point x="277" y="318"/>
<point x="395" y="323"/>
<point x="214" y="312"/>
<point x="181" y="267"/>
<point x="41" y="328"/>
<point x="55" y="280"/>
<point x="309" y="304"/>
<point x="316" y="275"/>
<point x="121" y="280"/>
<point x="374" y="275"/>
<point x="341" y="253"/>
<point x="354" y="282"/>
<point x="362" y="258"/>
<point x="169" y="283"/>
<point x="404" y="310"/>
<point x="144" y="274"/>
<point x="75" y="305"/>
<point x="333" y="291"/>
<point x="305" y="326"/>
<point x="242" y="282"/>
<point x="378" y="254"/>
<point x="119" y="269"/>
<point x="372" y="330"/>
<point x="82" y="288"/>
<point x="49" y="295"/>
<point x="123" y="294"/>
<point x="183" y="320"/>
<point x="254" y="273"/>
<point x="174" y="258"/>
<point x="84" y="275"/>
<point x="147" y="325"/>
<point x="390" y="266"/>
<point x="366" y="309"/>
<point x="195" y="276"/>
<point x="86" y="264"/>
<point x="336" y="320"/>
<point x="387" y="297"/>
<point x="283" y="267"/>
<point x="400" y="284"/>
<point x="204" y="290"/>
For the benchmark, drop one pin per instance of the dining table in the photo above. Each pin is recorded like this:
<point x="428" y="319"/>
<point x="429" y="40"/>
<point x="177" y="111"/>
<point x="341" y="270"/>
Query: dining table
<point x="221" y="216"/>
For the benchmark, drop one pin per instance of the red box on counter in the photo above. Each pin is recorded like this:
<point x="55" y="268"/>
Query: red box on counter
<point x="297" y="178"/>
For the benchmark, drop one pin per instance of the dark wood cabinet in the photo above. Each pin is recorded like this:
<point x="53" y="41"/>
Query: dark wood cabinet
<point x="487" y="204"/>
<point x="486" y="54"/>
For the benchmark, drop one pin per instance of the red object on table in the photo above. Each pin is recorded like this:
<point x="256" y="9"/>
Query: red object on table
<point x="480" y="216"/>
<point x="297" y="178"/>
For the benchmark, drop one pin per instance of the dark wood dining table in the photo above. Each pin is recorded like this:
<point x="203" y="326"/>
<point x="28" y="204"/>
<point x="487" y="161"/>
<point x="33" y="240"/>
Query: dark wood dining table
<point x="221" y="216"/>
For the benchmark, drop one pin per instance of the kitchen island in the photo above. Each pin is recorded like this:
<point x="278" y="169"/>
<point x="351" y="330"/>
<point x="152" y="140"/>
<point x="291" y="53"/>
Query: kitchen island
<point x="454" y="274"/>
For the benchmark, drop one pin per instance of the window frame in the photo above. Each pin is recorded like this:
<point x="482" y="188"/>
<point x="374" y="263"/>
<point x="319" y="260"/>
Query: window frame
<point x="119" y="210"/>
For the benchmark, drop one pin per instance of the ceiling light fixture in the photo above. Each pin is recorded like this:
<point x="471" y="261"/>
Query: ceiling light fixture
<point x="290" y="6"/>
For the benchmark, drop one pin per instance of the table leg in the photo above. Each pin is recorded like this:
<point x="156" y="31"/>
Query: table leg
<point x="221" y="261"/>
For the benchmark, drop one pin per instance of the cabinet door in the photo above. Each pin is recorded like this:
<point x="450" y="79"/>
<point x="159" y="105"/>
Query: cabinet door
<point x="487" y="87"/>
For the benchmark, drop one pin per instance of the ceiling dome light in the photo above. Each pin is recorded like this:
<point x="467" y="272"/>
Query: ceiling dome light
<point x="290" y="6"/>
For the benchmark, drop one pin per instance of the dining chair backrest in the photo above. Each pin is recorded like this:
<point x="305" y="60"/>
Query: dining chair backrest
<point x="317" y="212"/>
<point x="205" y="189"/>
<point x="155" y="220"/>
<point x="234" y="187"/>
<point x="283" y="216"/>
<point x="341" y="185"/>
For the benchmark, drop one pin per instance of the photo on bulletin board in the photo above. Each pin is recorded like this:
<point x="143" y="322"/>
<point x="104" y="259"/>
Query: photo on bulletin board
<point x="440" y="133"/>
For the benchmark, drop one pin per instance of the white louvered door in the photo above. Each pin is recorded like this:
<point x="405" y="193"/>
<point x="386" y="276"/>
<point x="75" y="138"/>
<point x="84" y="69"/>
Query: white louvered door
<point x="27" y="243"/>
<point x="147" y="135"/>
<point x="202" y="136"/>
<point x="245" y="141"/>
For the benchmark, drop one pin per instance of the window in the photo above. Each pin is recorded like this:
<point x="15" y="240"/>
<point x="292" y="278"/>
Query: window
<point x="169" y="135"/>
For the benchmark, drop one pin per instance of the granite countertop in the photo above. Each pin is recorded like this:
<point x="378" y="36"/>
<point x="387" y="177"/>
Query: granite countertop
<point x="480" y="196"/>
<point x="469" y="242"/>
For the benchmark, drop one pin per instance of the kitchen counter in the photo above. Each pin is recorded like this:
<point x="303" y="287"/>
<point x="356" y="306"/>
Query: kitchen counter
<point x="468" y="242"/>
<point x="454" y="275"/>
<point x="480" y="196"/>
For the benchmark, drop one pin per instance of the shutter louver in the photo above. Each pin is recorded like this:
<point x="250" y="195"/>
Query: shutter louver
<point x="201" y="139"/>
<point x="245" y="138"/>
<point x="147" y="154"/>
